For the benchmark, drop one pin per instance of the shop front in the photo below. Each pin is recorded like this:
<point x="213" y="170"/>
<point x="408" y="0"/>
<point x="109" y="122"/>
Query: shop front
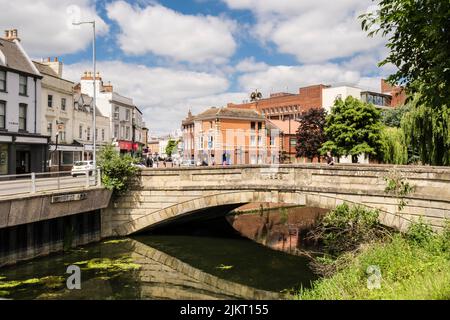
<point x="22" y="153"/>
<point x="128" y="147"/>
<point x="64" y="157"/>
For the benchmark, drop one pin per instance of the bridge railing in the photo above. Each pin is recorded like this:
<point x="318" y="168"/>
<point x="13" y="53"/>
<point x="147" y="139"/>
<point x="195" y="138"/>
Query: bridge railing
<point x="32" y="183"/>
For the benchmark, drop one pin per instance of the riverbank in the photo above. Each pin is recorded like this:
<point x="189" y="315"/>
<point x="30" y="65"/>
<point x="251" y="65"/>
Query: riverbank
<point x="415" y="265"/>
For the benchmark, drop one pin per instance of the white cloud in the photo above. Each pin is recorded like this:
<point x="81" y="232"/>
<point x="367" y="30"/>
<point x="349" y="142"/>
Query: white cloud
<point x="250" y="65"/>
<point x="164" y="95"/>
<point x="311" y="30"/>
<point x="45" y="26"/>
<point x="162" y="31"/>
<point x="291" y="78"/>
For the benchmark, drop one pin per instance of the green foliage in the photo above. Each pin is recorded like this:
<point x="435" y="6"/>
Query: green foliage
<point x="427" y="130"/>
<point x="171" y="147"/>
<point x="398" y="185"/>
<point x="118" y="172"/>
<point x="413" y="266"/>
<point x="346" y="227"/>
<point x="392" y="117"/>
<point x="353" y="128"/>
<point x="393" y="146"/>
<point x="418" y="40"/>
<point x="420" y="233"/>
<point x="310" y="133"/>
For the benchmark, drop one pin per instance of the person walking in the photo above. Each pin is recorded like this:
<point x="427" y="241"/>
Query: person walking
<point x="329" y="158"/>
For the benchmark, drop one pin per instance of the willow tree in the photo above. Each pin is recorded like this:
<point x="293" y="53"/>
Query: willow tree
<point x="353" y="128"/>
<point x="393" y="149"/>
<point x="427" y="130"/>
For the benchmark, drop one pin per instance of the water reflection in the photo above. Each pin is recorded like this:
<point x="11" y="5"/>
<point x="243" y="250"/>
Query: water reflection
<point x="161" y="267"/>
<point x="283" y="229"/>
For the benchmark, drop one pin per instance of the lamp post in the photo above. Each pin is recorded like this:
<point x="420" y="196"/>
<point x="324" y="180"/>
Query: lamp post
<point x="57" y="152"/>
<point x="94" y="102"/>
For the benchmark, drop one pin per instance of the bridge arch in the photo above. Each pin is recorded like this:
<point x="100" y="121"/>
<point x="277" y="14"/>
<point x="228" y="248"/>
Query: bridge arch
<point x="232" y="199"/>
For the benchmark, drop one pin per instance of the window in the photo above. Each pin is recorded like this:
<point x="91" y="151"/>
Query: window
<point x="22" y="117"/>
<point x="259" y="125"/>
<point x="127" y="115"/>
<point x="50" y="101"/>
<point x="2" y="115"/>
<point x="80" y="132"/>
<point x="253" y="141"/>
<point x="96" y="134"/>
<point x="293" y="142"/>
<point x="123" y="133"/>
<point x="103" y="134"/>
<point x="67" y="157"/>
<point x="260" y="141"/>
<point x="116" y="131"/>
<point x="23" y="80"/>
<point x="127" y="133"/>
<point x="63" y="104"/>
<point x="50" y="128"/>
<point x="116" y="113"/>
<point x="88" y="133"/>
<point x="2" y="80"/>
<point x="272" y="140"/>
<point x="252" y="126"/>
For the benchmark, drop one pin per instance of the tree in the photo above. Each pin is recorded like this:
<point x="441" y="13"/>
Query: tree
<point x="310" y="133"/>
<point x="392" y="117"/>
<point x="419" y="45"/>
<point x="353" y="128"/>
<point x="393" y="146"/>
<point x="427" y="131"/>
<point x="171" y="146"/>
<point x="118" y="172"/>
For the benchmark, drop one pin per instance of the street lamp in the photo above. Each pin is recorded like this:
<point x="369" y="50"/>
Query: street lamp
<point x="94" y="102"/>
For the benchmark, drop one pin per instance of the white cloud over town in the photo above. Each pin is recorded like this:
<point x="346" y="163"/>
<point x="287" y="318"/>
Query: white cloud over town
<point x="311" y="30"/>
<point x="45" y="26"/>
<point x="165" y="32"/>
<point x="163" y="94"/>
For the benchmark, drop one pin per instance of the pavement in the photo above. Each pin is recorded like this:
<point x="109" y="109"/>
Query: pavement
<point x="22" y="186"/>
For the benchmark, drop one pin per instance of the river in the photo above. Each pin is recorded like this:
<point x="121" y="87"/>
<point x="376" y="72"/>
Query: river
<point x="210" y="261"/>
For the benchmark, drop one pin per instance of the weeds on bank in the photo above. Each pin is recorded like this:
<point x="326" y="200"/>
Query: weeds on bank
<point x="413" y="265"/>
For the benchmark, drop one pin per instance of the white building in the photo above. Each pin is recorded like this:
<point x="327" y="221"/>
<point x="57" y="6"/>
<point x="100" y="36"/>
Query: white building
<point x="117" y="108"/>
<point x="57" y="115"/>
<point x="23" y="144"/>
<point x="83" y="124"/>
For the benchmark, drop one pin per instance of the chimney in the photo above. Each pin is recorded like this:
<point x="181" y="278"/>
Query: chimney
<point x="11" y="35"/>
<point x="55" y="65"/>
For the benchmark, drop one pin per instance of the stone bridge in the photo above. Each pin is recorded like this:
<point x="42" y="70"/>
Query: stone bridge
<point x="167" y="195"/>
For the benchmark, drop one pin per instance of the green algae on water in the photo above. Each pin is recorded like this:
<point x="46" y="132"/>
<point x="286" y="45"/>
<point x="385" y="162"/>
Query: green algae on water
<point x="116" y="241"/>
<point x="121" y="264"/>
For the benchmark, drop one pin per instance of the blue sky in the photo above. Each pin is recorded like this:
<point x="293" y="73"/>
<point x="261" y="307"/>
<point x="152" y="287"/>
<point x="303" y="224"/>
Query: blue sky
<point x="172" y="56"/>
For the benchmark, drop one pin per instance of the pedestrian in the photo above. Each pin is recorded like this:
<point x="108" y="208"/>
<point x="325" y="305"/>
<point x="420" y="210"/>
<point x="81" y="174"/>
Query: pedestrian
<point x="329" y="158"/>
<point x="224" y="159"/>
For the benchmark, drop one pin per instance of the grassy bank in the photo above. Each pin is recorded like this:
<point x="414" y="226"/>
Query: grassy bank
<point x="415" y="265"/>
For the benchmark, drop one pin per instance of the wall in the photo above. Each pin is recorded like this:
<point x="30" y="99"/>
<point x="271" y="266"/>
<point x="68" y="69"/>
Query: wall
<point x="330" y="95"/>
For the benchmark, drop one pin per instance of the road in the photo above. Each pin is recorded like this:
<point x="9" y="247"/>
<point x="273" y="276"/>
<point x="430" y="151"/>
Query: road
<point x="23" y="185"/>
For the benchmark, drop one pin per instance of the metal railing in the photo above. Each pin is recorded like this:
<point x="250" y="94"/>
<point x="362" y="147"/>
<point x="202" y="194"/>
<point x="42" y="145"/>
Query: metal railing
<point x="32" y="183"/>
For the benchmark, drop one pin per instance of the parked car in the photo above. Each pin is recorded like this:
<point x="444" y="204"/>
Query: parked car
<point x="188" y="163"/>
<point x="80" y="167"/>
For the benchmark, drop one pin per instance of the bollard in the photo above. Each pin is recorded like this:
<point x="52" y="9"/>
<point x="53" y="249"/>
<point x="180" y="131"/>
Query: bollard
<point x="33" y="182"/>
<point x="87" y="178"/>
<point x="99" y="178"/>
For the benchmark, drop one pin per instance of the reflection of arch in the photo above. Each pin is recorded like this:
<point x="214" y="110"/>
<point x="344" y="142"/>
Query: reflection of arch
<point x="182" y="281"/>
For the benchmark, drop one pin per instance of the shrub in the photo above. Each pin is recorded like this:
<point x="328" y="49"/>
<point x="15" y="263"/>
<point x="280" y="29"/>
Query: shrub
<point x="118" y="172"/>
<point x="345" y="228"/>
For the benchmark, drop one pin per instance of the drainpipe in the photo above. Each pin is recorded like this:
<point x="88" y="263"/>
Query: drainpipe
<point x="35" y="105"/>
